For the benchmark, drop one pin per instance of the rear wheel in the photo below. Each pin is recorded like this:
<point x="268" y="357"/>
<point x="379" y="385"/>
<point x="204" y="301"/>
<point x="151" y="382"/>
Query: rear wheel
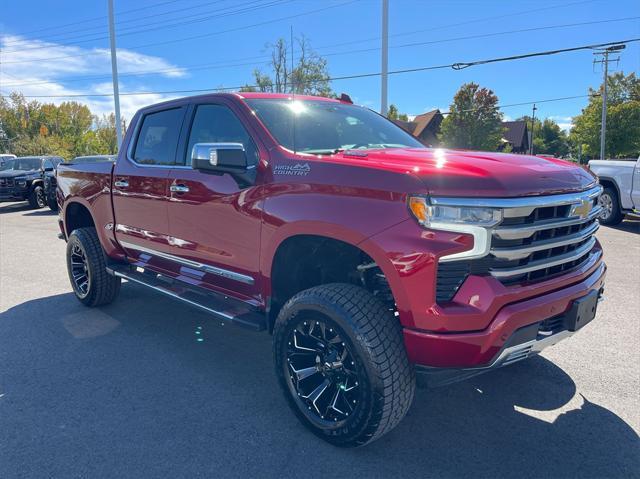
<point x="340" y="359"/>
<point x="611" y="214"/>
<point x="87" y="269"/>
<point x="36" y="198"/>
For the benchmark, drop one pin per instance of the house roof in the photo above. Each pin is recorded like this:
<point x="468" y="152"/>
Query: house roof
<point x="422" y="121"/>
<point x="516" y="133"/>
<point x="405" y="125"/>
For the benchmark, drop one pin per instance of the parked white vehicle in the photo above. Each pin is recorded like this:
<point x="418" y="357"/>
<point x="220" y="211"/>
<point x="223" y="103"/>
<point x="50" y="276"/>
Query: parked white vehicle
<point x="621" y="182"/>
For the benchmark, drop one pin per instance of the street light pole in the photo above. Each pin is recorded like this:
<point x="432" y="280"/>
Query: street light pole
<point x="385" y="57"/>
<point x="114" y="74"/>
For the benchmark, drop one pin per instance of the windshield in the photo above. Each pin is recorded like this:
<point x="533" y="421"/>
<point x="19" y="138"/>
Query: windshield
<point x="324" y="127"/>
<point x="21" y="164"/>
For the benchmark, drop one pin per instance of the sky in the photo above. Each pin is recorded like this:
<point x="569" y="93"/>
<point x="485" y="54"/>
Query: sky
<point x="62" y="48"/>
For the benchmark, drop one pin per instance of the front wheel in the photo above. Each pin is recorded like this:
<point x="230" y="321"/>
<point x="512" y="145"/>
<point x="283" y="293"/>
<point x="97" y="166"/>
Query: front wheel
<point x="611" y="214"/>
<point x="36" y="198"/>
<point x="87" y="269"/>
<point x="340" y="359"/>
<point x="51" y="202"/>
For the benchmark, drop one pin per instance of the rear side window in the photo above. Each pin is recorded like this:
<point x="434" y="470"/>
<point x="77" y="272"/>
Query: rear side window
<point x="218" y="124"/>
<point x="158" y="137"/>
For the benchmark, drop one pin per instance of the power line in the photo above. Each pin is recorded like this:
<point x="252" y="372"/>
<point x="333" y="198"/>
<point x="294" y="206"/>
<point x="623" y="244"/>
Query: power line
<point x="218" y="65"/>
<point x="194" y="37"/>
<point x="455" y="66"/>
<point x="137" y="19"/>
<point x="246" y="7"/>
<point x="95" y="19"/>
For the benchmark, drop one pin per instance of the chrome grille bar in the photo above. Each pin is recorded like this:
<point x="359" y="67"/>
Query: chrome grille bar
<point x="528" y="230"/>
<point x="519" y="252"/>
<point x="544" y="263"/>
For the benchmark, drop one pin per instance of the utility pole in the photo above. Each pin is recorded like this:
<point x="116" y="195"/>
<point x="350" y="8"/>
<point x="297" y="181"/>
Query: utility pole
<point x="114" y="74"/>
<point x="533" y="127"/>
<point x="385" y="57"/>
<point x="605" y="63"/>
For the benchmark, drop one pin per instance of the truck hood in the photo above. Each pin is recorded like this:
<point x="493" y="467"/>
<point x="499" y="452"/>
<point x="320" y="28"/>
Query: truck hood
<point x="15" y="173"/>
<point x="482" y="174"/>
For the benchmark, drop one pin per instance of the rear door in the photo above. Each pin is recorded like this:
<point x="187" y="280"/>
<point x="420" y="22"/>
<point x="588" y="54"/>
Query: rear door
<point x="215" y="221"/>
<point x="140" y="185"/>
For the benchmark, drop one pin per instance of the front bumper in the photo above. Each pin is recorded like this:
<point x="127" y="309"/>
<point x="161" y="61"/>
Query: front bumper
<point x="503" y="341"/>
<point x="13" y="194"/>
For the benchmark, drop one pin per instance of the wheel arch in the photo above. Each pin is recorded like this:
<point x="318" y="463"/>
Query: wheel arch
<point x="337" y="253"/>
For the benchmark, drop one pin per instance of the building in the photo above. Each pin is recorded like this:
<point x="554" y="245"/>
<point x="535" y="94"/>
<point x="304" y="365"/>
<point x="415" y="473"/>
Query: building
<point x="516" y="135"/>
<point x="424" y="127"/>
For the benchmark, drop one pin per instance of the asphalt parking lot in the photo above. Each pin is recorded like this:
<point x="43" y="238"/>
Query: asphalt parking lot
<point x="128" y="391"/>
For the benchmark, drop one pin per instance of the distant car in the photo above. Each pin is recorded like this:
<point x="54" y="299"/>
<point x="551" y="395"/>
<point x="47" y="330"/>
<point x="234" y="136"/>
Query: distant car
<point x="50" y="182"/>
<point x="6" y="156"/>
<point x="621" y="182"/>
<point x="22" y="179"/>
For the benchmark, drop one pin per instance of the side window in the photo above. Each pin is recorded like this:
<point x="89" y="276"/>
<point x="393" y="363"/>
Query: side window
<point x="158" y="137"/>
<point x="218" y="124"/>
<point x="47" y="164"/>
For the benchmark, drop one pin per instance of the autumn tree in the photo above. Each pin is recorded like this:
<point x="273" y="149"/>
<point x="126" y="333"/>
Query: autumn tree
<point x="309" y="75"/>
<point x="67" y="130"/>
<point x="474" y="120"/>
<point x="623" y="119"/>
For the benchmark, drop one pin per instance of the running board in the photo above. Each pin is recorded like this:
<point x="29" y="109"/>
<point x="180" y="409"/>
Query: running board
<point x="224" y="308"/>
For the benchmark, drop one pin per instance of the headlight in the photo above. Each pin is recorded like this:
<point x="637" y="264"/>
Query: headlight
<point x="473" y="220"/>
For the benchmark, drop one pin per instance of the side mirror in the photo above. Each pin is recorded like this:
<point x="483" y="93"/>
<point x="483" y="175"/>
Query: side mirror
<point x="48" y="168"/>
<point x="223" y="157"/>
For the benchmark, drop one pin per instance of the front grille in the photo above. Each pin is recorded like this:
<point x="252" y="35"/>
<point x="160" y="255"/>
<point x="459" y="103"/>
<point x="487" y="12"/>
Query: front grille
<point x="6" y="182"/>
<point x="532" y="243"/>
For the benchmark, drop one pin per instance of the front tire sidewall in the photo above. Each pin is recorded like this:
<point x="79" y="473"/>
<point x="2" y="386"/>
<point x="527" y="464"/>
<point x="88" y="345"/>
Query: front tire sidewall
<point x="615" y="216"/>
<point x="374" y="339"/>
<point x="37" y="199"/>
<point x="343" y="431"/>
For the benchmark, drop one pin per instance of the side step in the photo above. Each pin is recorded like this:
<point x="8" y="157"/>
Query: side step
<point x="223" y="307"/>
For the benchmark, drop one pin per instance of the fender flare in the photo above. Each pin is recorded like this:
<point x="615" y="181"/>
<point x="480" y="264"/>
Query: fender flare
<point x="335" y="232"/>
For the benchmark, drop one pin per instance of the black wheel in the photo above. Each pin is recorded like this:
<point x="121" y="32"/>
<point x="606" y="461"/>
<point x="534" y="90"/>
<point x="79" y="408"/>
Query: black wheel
<point x="87" y="268"/>
<point x="52" y="203"/>
<point x="611" y="214"/>
<point x="340" y="359"/>
<point x="37" y="198"/>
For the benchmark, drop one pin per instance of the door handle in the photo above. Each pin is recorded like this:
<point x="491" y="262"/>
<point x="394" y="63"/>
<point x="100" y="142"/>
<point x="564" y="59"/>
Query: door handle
<point x="179" y="189"/>
<point x="121" y="184"/>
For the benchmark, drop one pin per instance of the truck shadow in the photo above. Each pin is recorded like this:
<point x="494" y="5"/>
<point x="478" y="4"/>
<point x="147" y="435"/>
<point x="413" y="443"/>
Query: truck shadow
<point x="145" y="386"/>
<point x="628" y="225"/>
<point x="14" y="207"/>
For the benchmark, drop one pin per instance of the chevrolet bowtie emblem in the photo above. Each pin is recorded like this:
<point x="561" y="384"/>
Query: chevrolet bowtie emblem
<point x="582" y="209"/>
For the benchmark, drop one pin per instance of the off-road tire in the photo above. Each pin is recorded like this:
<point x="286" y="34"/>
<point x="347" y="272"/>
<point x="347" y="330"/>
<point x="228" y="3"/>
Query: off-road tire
<point x="374" y="336"/>
<point x="103" y="287"/>
<point x="36" y="198"/>
<point x="614" y="216"/>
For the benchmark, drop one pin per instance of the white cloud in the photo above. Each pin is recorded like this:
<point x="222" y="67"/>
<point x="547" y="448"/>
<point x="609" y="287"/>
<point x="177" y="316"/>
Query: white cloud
<point x="34" y="67"/>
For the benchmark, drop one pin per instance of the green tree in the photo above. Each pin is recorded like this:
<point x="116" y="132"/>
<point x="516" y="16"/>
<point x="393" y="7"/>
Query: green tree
<point x="548" y="137"/>
<point x="309" y="76"/>
<point x="394" y="114"/>
<point x="623" y="119"/>
<point x="474" y="120"/>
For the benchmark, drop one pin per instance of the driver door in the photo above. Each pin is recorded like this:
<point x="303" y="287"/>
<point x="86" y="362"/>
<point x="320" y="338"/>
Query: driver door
<point x="214" y="220"/>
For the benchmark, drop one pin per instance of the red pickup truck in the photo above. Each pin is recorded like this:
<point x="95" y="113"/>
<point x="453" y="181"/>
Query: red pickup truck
<point x="367" y="256"/>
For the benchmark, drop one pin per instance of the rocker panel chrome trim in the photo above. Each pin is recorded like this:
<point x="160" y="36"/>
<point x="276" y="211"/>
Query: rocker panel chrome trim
<point x="224" y="273"/>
